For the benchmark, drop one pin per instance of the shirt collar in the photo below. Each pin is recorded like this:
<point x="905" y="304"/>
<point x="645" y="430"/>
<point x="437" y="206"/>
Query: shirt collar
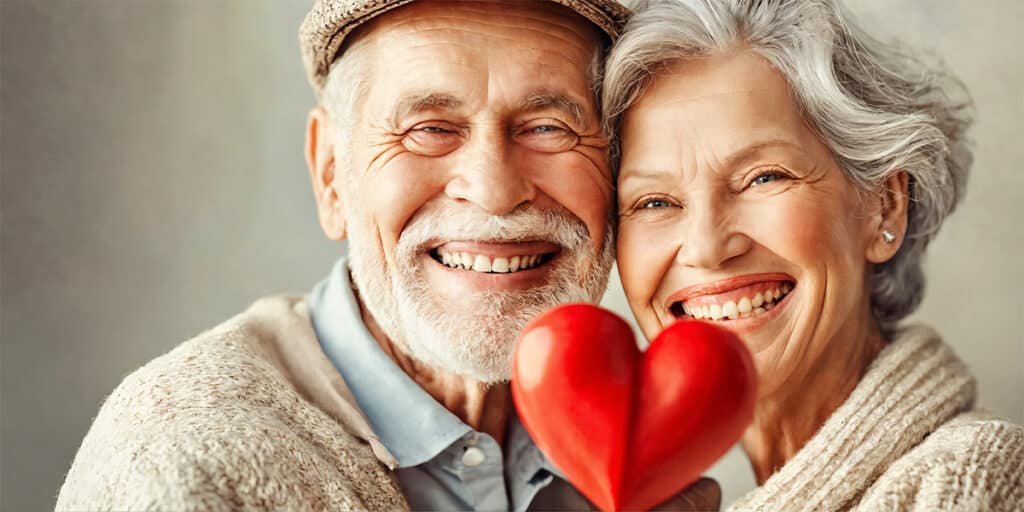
<point x="409" y="422"/>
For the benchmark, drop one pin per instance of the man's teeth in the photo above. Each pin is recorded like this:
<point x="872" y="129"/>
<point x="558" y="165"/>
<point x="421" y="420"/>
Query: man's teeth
<point x="481" y="263"/>
<point x="745" y="307"/>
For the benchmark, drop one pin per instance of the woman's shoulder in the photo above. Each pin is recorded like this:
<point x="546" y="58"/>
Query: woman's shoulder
<point x="975" y="461"/>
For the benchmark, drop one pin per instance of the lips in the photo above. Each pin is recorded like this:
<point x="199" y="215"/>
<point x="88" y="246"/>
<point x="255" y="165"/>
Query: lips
<point x="731" y="299"/>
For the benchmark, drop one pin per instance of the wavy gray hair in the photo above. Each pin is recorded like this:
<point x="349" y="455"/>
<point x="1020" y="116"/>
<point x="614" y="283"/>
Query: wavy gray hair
<point x="878" y="108"/>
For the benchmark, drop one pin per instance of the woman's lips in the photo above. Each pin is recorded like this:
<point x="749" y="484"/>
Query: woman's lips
<point x="731" y="299"/>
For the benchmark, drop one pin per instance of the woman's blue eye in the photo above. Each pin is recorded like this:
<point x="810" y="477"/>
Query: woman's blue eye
<point x="655" y="203"/>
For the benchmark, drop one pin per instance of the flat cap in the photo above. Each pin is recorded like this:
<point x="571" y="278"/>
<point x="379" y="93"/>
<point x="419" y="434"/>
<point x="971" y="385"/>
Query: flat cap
<point x="329" y="21"/>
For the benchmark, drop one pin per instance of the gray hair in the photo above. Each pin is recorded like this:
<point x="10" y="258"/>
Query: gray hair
<point x="879" y="109"/>
<point x="345" y="85"/>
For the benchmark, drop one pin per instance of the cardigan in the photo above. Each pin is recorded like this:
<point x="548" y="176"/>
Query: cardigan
<point x="252" y="415"/>
<point x="907" y="438"/>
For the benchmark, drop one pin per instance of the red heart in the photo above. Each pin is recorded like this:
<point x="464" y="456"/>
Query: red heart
<point x="630" y="429"/>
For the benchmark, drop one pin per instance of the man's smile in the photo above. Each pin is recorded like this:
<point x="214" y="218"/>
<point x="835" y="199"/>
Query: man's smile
<point x="492" y="265"/>
<point x="495" y="257"/>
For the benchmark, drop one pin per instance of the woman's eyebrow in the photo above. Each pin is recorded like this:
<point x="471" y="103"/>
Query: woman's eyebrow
<point x="754" y="149"/>
<point x="742" y="156"/>
<point x="627" y="175"/>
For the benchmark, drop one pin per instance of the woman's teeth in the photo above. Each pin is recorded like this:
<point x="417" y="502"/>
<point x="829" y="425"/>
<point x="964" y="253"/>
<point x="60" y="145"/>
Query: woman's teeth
<point x="485" y="264"/>
<point x="732" y="310"/>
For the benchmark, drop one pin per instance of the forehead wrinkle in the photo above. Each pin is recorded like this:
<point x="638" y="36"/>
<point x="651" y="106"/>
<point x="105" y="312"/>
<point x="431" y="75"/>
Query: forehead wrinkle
<point x="682" y="99"/>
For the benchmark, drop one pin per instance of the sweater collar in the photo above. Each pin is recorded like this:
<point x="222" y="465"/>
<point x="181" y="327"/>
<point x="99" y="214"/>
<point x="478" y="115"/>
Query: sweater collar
<point x="914" y="385"/>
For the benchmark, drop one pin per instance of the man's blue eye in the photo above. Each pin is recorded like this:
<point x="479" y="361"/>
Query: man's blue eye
<point x="433" y="129"/>
<point x="767" y="178"/>
<point x="546" y="129"/>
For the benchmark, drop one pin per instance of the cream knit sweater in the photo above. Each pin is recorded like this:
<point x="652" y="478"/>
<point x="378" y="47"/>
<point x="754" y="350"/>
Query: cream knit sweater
<point x="252" y="415"/>
<point x="905" y="439"/>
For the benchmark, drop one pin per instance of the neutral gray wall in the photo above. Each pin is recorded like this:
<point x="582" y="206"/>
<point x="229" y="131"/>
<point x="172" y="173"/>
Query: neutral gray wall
<point x="153" y="185"/>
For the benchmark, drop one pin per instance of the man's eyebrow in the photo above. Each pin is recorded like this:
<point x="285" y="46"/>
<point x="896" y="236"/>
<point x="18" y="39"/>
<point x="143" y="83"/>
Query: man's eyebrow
<point x="535" y="102"/>
<point x="422" y="101"/>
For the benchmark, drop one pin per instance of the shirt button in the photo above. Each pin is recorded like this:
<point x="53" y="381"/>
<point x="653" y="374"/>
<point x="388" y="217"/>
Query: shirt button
<point x="473" y="456"/>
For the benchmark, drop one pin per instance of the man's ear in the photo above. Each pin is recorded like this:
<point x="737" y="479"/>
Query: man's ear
<point x="889" y="220"/>
<point x="321" y="163"/>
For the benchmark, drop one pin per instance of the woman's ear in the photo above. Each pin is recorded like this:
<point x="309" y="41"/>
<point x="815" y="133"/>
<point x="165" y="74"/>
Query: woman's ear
<point x="321" y="162"/>
<point x="890" y="220"/>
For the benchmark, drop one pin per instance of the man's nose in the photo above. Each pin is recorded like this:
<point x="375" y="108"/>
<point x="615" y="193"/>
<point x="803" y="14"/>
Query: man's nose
<point x="710" y="238"/>
<point x="488" y="175"/>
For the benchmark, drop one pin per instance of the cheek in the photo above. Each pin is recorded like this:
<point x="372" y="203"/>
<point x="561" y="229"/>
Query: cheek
<point x="789" y="230"/>
<point x="579" y="183"/>
<point x="390" y="189"/>
<point x="808" y="229"/>
<point x="645" y="253"/>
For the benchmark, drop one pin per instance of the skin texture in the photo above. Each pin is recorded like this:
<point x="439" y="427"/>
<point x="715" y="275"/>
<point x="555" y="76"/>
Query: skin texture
<point x="446" y="121"/>
<point x="722" y="178"/>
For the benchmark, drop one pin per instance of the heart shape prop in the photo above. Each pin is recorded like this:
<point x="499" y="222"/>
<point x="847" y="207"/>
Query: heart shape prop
<point x="630" y="429"/>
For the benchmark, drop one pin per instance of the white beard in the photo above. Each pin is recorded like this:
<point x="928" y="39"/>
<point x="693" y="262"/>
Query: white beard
<point x="475" y="339"/>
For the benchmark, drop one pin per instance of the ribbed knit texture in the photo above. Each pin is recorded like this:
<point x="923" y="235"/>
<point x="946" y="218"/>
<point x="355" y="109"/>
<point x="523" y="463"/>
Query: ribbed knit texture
<point x="904" y="440"/>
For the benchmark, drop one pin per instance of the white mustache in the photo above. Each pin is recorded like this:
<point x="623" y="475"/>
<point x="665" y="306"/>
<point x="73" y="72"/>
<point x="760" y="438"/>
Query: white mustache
<point x="527" y="223"/>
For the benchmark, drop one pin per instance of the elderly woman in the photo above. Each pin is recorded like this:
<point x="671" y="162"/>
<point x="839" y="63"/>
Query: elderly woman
<point x="781" y="174"/>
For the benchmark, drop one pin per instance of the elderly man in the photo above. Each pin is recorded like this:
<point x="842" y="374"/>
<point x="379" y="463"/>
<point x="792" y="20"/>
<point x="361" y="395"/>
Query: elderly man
<point x="458" y="148"/>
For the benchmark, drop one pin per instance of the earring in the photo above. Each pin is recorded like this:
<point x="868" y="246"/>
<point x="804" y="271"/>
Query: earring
<point x="888" y="236"/>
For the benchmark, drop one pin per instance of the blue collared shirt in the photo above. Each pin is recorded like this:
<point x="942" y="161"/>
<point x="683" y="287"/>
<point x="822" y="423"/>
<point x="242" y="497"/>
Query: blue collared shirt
<point x="443" y="464"/>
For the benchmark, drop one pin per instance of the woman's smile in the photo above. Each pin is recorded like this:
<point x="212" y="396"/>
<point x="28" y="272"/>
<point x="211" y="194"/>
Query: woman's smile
<point x="741" y="304"/>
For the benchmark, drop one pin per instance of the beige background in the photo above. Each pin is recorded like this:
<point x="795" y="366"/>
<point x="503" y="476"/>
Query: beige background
<point x="153" y="185"/>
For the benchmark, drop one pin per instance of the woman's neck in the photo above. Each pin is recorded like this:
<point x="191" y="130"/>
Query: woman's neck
<point x="787" y="418"/>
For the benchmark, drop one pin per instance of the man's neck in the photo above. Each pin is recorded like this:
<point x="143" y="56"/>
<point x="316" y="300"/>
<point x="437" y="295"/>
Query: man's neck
<point x="484" y="407"/>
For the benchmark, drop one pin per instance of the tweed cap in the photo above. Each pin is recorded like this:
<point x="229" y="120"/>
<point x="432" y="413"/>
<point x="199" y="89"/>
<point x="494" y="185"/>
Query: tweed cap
<point x="329" y="21"/>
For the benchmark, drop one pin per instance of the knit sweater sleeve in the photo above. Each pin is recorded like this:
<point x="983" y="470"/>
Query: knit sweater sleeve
<point x="974" y="462"/>
<point x="142" y="454"/>
<point x="210" y="426"/>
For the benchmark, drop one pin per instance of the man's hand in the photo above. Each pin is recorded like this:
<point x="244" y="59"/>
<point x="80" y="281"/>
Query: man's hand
<point x="703" y="495"/>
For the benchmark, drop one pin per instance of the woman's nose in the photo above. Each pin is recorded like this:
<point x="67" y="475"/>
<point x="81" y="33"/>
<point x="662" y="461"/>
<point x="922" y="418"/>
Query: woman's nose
<point x="488" y="176"/>
<point x="710" y="238"/>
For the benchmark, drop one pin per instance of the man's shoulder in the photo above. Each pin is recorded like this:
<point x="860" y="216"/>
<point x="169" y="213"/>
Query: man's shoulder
<point x="230" y="365"/>
<point x="975" y="461"/>
<point x="220" y="421"/>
